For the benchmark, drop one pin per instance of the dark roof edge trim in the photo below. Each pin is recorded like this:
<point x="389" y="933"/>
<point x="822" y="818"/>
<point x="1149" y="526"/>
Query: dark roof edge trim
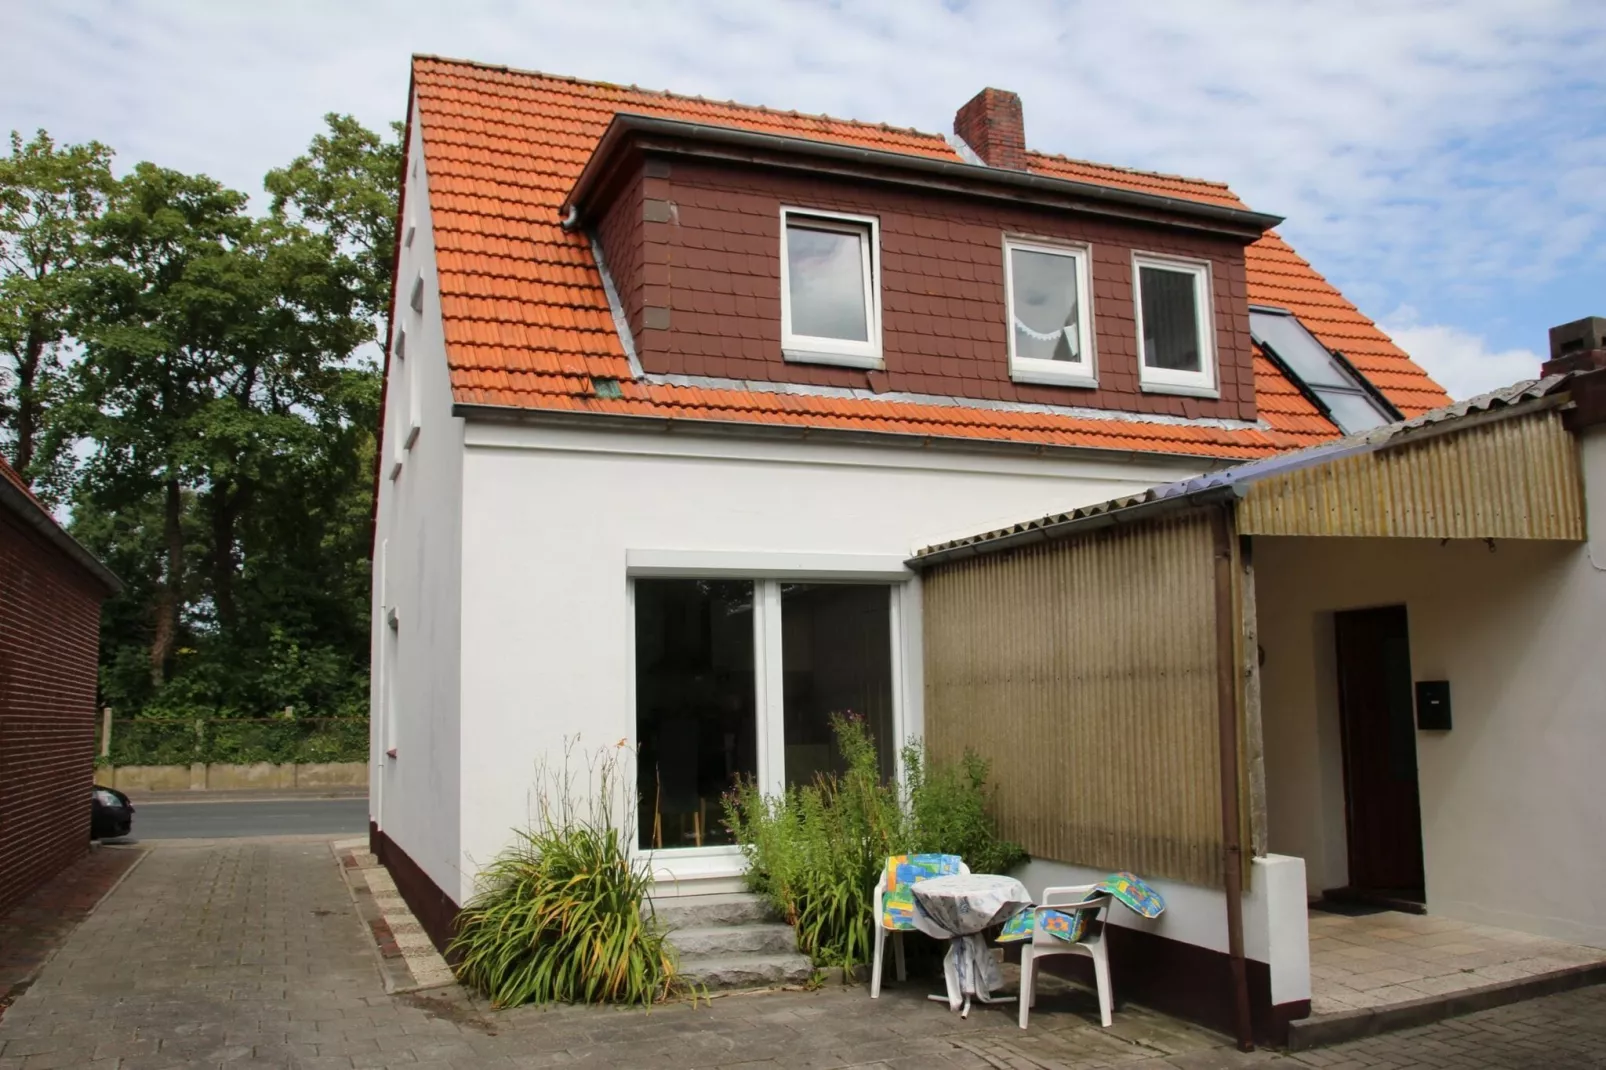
<point x="625" y="124"/>
<point x="31" y="513"/>
<point x="1081" y="525"/>
<point x="611" y="421"/>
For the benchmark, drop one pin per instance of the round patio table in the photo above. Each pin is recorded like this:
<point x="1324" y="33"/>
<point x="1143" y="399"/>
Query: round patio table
<point x="959" y="909"/>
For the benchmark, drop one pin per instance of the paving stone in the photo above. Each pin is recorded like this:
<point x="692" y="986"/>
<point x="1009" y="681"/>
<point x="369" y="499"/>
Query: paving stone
<point x="250" y="954"/>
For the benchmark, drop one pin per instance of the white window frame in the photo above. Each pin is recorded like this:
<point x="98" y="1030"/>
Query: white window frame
<point x="1083" y="372"/>
<point x="1201" y="383"/>
<point x="767" y="571"/>
<point x="811" y="349"/>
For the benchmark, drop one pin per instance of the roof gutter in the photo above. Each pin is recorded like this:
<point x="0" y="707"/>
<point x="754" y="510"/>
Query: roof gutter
<point x="951" y="175"/>
<point x="31" y="513"/>
<point x="1080" y="525"/>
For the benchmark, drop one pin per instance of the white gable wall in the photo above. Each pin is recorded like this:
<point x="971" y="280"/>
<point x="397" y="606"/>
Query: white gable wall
<point x="550" y="516"/>
<point x="417" y="571"/>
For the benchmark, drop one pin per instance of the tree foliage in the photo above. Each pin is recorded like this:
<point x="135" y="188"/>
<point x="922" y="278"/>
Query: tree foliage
<point x="48" y="196"/>
<point x="218" y="416"/>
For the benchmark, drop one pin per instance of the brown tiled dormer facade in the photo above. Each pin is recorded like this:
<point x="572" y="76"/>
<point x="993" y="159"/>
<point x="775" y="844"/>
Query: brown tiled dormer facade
<point x="694" y="246"/>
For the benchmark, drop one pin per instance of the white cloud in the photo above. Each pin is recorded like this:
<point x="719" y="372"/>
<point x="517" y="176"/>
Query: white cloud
<point x="1425" y="151"/>
<point x="1461" y="361"/>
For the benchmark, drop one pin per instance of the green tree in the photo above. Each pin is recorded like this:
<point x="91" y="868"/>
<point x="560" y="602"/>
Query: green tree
<point x="226" y="410"/>
<point x="49" y="195"/>
<point x="345" y="187"/>
<point x="168" y="307"/>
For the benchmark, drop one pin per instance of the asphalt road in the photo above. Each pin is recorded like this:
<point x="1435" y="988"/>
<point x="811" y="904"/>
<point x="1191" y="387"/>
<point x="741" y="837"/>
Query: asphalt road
<point x="266" y="817"/>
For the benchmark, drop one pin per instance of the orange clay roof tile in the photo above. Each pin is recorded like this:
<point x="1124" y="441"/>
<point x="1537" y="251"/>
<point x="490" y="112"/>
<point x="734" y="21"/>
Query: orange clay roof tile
<point x="527" y="322"/>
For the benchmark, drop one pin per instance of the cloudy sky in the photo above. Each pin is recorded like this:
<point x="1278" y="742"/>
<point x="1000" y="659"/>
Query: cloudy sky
<point x="1443" y="163"/>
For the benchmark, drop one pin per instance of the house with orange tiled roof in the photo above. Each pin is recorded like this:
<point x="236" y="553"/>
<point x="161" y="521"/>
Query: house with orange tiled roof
<point x="675" y="387"/>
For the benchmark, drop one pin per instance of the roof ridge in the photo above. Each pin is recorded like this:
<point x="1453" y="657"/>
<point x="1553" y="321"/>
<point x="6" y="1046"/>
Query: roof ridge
<point x="1132" y="170"/>
<point x="672" y="95"/>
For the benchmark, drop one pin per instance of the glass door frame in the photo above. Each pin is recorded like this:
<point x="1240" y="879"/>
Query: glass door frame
<point x="691" y="864"/>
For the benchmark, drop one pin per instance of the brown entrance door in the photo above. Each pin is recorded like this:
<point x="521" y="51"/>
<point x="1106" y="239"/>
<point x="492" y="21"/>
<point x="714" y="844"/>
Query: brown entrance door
<point x="1379" y="733"/>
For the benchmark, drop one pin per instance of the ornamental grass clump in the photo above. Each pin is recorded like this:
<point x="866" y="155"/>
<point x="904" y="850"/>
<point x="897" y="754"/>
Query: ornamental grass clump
<point x="559" y="916"/>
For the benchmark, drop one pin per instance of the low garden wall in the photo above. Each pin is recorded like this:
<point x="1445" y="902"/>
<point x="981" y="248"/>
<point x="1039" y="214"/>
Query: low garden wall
<point x="232" y="753"/>
<point x="224" y="776"/>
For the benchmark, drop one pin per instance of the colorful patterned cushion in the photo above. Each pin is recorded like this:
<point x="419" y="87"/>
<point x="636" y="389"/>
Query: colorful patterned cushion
<point x="1068" y="925"/>
<point x="1131" y="892"/>
<point x="898" y="905"/>
<point x="898" y="909"/>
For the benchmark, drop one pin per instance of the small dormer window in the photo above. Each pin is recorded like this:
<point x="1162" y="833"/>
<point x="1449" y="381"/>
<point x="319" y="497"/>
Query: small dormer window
<point x="1176" y="333"/>
<point x="830" y="292"/>
<point x="1050" y="325"/>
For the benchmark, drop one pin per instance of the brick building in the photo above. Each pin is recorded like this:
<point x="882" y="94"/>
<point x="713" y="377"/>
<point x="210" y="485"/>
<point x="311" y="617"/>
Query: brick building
<point x="50" y="594"/>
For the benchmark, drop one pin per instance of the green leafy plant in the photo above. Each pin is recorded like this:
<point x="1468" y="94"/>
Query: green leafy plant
<point x="560" y="914"/>
<point x="816" y="850"/>
<point x="948" y="811"/>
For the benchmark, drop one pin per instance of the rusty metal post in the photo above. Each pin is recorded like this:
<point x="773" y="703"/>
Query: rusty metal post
<point x="1227" y="710"/>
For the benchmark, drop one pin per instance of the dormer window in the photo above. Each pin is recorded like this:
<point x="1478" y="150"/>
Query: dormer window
<point x="1050" y="321"/>
<point x="830" y="292"/>
<point x="1176" y="332"/>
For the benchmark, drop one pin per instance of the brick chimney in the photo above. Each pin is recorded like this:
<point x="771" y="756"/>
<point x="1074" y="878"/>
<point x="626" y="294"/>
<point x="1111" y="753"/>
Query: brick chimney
<point x="1577" y="346"/>
<point x="991" y="124"/>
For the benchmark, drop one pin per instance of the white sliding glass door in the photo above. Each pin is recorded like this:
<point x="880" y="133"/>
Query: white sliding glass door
<point x="739" y="679"/>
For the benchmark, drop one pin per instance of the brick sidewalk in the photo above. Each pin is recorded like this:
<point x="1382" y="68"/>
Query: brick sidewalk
<point x="249" y="953"/>
<point x="32" y="931"/>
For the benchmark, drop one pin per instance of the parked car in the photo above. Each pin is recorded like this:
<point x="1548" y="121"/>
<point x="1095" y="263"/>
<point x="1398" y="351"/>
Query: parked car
<point x="111" y="814"/>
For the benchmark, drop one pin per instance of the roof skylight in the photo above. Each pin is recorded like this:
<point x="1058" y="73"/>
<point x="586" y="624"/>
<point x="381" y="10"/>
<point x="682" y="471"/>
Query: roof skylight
<point x="1325" y="377"/>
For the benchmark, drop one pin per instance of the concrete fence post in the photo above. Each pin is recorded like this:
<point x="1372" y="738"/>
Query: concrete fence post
<point x="106" y="732"/>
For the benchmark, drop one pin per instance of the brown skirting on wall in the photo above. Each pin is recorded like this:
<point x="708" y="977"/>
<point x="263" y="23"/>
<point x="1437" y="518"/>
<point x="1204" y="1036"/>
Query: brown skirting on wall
<point x="435" y="910"/>
<point x="1185" y="980"/>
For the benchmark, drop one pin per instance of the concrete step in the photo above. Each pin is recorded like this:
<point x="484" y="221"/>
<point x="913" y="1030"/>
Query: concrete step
<point x="757" y="937"/>
<point x="704" y="911"/>
<point x="746" y="971"/>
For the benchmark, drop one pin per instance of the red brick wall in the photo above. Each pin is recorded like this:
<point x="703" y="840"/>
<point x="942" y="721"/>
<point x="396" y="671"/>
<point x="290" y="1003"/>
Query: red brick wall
<point x="49" y="642"/>
<point x="709" y="236"/>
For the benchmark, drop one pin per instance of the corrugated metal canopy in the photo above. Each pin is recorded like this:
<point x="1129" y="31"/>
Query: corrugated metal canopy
<point x="1500" y="465"/>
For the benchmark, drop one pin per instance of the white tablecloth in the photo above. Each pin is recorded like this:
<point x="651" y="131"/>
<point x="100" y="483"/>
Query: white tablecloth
<point x="959" y="909"/>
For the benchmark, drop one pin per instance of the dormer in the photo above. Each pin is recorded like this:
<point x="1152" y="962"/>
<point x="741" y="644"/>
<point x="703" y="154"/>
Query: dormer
<point x="742" y="255"/>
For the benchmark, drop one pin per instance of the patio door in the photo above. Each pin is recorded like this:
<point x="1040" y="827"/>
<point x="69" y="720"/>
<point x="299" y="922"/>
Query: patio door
<point x="738" y="679"/>
<point x="1379" y="737"/>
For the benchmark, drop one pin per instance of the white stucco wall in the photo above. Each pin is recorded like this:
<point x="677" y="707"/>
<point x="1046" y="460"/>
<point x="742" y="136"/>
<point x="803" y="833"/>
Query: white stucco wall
<point x="551" y="517"/>
<point x="1274" y="915"/>
<point x="1513" y="834"/>
<point x="417" y="570"/>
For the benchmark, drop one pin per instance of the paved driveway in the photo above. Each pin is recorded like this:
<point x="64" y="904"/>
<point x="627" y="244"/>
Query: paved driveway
<point x="249" y="953"/>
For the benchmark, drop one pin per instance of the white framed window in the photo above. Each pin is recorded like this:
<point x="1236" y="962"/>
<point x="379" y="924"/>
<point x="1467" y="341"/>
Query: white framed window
<point x="830" y="288"/>
<point x="1050" y="313"/>
<point x="1176" y="325"/>
<point x="738" y="678"/>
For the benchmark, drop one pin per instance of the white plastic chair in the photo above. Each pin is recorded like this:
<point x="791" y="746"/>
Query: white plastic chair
<point x="1069" y="900"/>
<point x="877" y="900"/>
